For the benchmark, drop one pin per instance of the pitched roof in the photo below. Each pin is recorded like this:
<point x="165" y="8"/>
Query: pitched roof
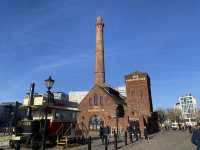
<point x="113" y="93"/>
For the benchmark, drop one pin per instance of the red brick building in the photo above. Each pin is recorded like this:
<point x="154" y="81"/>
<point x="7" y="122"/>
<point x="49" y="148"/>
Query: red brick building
<point x="99" y="105"/>
<point x="139" y="101"/>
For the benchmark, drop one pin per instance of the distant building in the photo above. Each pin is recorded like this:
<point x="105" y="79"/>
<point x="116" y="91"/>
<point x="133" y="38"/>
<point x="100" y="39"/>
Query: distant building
<point x="188" y="106"/>
<point x="60" y="98"/>
<point x="10" y="114"/>
<point x="121" y="90"/>
<point x="77" y="96"/>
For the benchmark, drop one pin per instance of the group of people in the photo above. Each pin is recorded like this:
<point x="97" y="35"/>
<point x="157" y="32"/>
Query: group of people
<point x="104" y="133"/>
<point x="133" y="132"/>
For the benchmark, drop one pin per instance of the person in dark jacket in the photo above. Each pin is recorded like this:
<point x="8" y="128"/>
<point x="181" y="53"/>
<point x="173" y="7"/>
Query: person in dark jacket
<point x="101" y="133"/>
<point x="196" y="138"/>
<point x="109" y="130"/>
<point x="190" y="129"/>
<point x="106" y="134"/>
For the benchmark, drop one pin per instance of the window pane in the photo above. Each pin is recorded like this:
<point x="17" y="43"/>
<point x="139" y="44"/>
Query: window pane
<point x="95" y="100"/>
<point x="101" y="100"/>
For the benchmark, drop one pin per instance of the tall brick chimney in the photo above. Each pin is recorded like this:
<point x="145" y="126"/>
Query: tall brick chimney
<point x="99" y="68"/>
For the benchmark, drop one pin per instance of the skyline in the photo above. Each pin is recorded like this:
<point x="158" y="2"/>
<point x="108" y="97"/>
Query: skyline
<point x="39" y="39"/>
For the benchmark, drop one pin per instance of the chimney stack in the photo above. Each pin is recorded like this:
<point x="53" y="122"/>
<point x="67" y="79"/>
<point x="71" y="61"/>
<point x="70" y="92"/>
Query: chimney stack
<point x="99" y="68"/>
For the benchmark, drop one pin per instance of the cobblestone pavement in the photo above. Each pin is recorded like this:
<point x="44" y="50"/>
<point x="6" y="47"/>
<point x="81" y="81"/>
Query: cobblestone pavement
<point x="172" y="140"/>
<point x="168" y="140"/>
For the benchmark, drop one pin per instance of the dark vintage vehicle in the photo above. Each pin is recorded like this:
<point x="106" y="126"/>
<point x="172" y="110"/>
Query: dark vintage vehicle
<point x="30" y="132"/>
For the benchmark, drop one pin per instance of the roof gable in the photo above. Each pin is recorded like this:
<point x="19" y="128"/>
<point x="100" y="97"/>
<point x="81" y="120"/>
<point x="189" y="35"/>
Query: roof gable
<point x="118" y="99"/>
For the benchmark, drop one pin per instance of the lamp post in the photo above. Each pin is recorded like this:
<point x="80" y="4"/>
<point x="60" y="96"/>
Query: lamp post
<point x="117" y="122"/>
<point x="49" y="84"/>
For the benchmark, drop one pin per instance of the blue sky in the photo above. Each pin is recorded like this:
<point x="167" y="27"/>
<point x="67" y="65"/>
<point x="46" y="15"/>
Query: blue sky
<point x="48" y="37"/>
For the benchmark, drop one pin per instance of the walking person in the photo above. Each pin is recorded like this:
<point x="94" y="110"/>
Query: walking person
<point x="190" y="129"/>
<point x="106" y="133"/>
<point x="101" y="133"/>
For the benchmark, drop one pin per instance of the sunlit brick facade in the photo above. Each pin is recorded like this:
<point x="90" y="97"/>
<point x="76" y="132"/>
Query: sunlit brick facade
<point x="99" y="105"/>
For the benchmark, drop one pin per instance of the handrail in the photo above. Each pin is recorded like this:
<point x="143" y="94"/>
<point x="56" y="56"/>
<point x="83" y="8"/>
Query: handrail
<point x="87" y="131"/>
<point x="62" y="131"/>
<point x="59" y="132"/>
<point x="59" y="129"/>
<point x="67" y="130"/>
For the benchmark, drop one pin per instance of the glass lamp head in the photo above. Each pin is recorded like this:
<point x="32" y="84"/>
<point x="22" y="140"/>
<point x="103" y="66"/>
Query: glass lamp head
<point x="49" y="83"/>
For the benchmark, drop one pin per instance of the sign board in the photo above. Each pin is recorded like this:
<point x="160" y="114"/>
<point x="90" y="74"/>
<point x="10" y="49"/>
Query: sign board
<point x="95" y="110"/>
<point x="136" y="78"/>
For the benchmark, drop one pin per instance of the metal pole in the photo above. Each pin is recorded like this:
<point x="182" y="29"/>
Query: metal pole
<point x="126" y="138"/>
<point x="45" y="130"/>
<point x="31" y="101"/>
<point x="116" y="134"/>
<point x="45" y="121"/>
<point x="89" y="143"/>
<point x="117" y="120"/>
<point x="115" y="141"/>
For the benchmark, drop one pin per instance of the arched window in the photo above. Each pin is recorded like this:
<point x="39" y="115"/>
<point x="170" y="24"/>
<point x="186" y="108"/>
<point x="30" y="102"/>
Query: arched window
<point x="95" y="122"/>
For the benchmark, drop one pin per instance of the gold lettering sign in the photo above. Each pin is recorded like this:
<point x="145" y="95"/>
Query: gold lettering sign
<point x="136" y="78"/>
<point x="95" y="110"/>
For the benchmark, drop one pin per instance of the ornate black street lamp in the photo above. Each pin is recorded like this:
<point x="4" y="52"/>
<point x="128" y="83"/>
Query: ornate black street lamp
<point x="49" y="84"/>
